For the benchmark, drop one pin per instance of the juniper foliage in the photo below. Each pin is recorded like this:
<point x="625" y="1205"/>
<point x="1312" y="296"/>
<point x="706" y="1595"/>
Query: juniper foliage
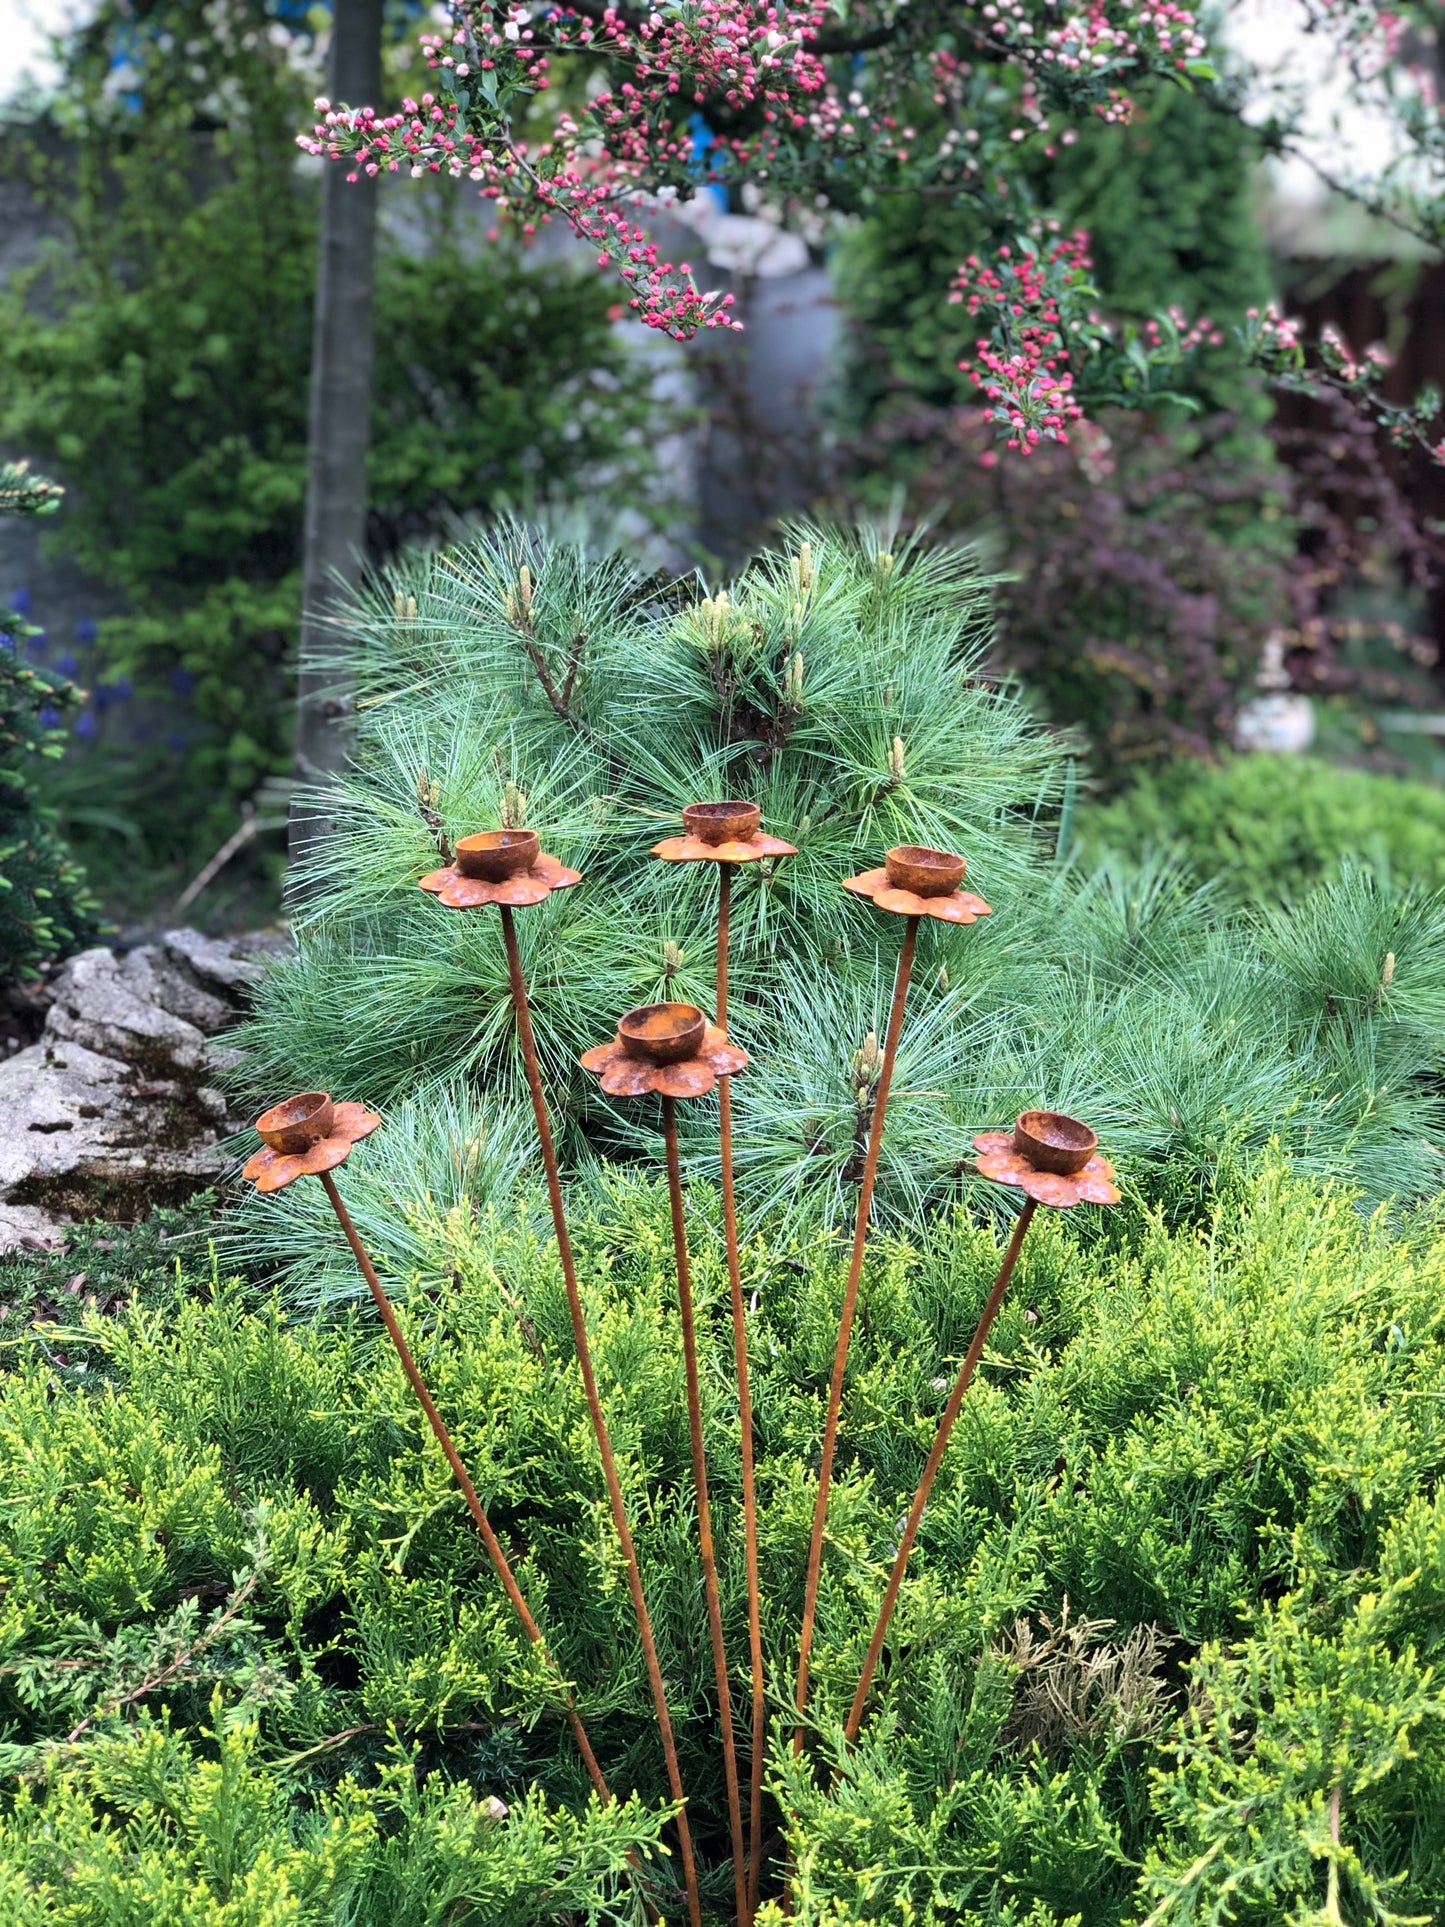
<point x="836" y="681"/>
<point x="1164" y="1652"/>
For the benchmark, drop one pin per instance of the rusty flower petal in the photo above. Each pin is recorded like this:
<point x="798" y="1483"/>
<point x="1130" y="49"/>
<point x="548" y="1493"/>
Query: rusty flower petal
<point x="999" y="1161"/>
<point x="623" y="1075"/>
<point x="960" y="906"/>
<point x="749" y="849"/>
<point x="272" y="1170"/>
<point x="693" y="1077"/>
<point x="353" y="1122"/>
<point x="553" y="873"/>
<point x="724" y="1057"/>
<point x="471" y="893"/>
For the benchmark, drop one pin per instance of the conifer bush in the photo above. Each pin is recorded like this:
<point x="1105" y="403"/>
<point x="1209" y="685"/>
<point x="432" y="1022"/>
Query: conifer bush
<point x="837" y="683"/>
<point x="1164" y="1653"/>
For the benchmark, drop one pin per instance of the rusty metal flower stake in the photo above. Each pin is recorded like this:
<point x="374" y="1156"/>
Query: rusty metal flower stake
<point x="507" y="868"/>
<point x="727" y="834"/>
<point x="1054" y="1160"/>
<point x="308" y="1135"/>
<point x="914" y="882"/>
<point x="673" y="1050"/>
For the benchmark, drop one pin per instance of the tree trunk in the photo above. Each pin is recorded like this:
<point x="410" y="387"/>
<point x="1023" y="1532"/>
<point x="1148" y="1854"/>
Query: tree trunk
<point x="339" y="430"/>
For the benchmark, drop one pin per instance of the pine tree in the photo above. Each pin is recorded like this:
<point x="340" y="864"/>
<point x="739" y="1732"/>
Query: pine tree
<point x="518" y="681"/>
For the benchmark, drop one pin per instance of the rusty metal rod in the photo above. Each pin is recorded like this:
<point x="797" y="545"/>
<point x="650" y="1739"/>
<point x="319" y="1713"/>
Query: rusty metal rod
<point x="594" y="1405"/>
<point x="745" y="1411"/>
<point x="845" y="1325"/>
<point x="459" y="1471"/>
<point x="704" y="1510"/>
<point x="935" y="1459"/>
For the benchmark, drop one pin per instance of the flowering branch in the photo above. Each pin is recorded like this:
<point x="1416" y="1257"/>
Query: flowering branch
<point x="1275" y="345"/>
<point x="696" y="93"/>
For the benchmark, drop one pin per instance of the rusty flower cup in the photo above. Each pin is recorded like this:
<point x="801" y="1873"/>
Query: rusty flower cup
<point x="495" y="855"/>
<point x="726" y="832"/>
<point x="498" y="866"/>
<point x="716" y="823"/>
<point x="662" y="1033"/>
<point x="1053" y="1159"/>
<point x="297" y="1123"/>
<point x="914" y="881"/>
<point x="670" y="1049"/>
<point x="927" y="873"/>
<point x="1052" y="1142"/>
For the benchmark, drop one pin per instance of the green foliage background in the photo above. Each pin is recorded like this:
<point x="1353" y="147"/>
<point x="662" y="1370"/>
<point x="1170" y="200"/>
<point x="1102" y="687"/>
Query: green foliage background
<point x="1147" y="560"/>
<point x="1180" y="1579"/>
<point x="45" y="907"/>
<point x="157" y="356"/>
<point x="1268" y="828"/>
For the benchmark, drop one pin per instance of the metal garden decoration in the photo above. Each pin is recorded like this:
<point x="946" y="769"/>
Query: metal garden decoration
<point x="676" y="1052"/>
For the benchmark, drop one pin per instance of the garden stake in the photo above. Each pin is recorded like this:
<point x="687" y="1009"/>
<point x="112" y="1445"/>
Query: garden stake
<point x="505" y="867"/>
<point x="914" y="883"/>
<point x="725" y="834"/>
<point x="594" y="1405"/>
<point x="1053" y="1159"/>
<point x="672" y="1049"/>
<point x="704" y="1511"/>
<point x="308" y="1135"/>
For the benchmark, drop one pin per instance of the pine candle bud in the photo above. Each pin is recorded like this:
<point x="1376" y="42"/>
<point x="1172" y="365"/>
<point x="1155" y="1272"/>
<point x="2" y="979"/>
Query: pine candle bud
<point x="867" y="1062"/>
<point x="398" y="602"/>
<point x="803" y="568"/>
<point x="518" y="600"/>
<point x="671" y="958"/>
<point x="895" y="760"/>
<point x="793" y="682"/>
<point x="428" y="791"/>
<point x="885" y="564"/>
<point x="514" y="807"/>
<point x="411" y="608"/>
<point x="715" y="612"/>
<point x="1387" y="975"/>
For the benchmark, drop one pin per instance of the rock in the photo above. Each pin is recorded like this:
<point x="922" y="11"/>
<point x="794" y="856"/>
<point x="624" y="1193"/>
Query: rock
<point x="116" y="1108"/>
<point x="30" y="1229"/>
<point x="231" y="964"/>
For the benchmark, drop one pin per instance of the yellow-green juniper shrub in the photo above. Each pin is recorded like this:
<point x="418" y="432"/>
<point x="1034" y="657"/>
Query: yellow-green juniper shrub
<point x="1182" y="1576"/>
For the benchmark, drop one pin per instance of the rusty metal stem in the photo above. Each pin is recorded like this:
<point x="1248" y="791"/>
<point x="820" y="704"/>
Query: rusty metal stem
<point x="745" y="1411"/>
<point x="459" y="1471"/>
<point x="594" y="1405"/>
<point x="930" y="1470"/>
<point x="845" y="1323"/>
<point x="704" y="1510"/>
